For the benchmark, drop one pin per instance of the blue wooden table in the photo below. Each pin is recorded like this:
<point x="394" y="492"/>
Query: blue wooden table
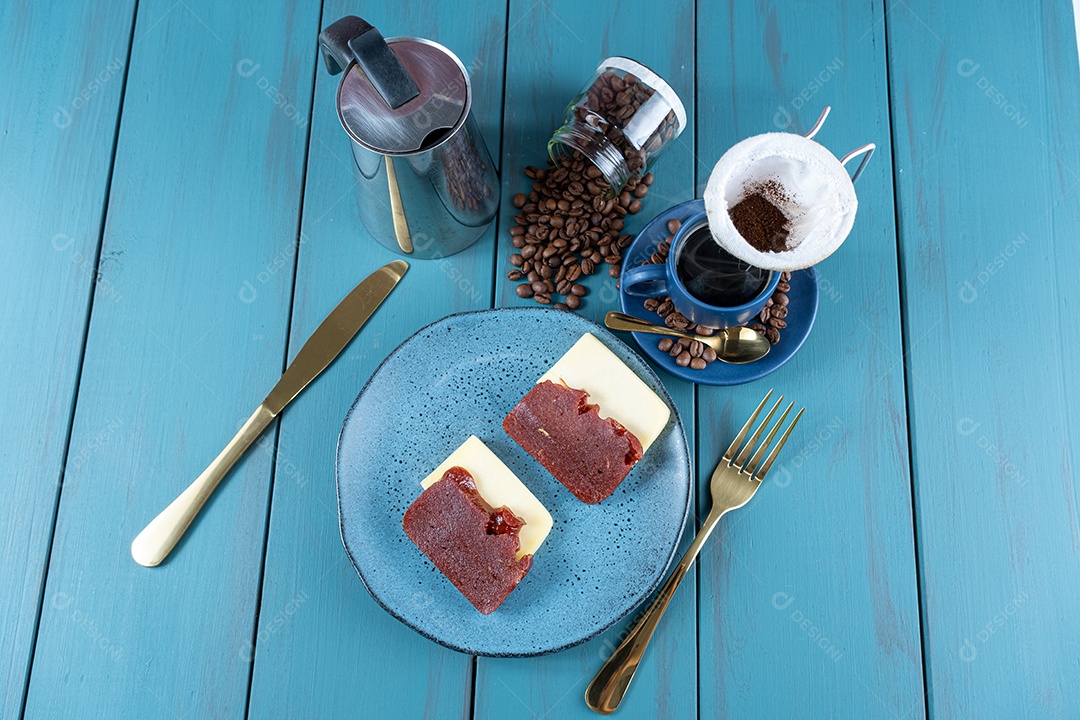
<point x="178" y="212"/>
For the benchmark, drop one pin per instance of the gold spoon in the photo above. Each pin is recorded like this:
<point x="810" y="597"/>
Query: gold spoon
<point x="735" y="345"/>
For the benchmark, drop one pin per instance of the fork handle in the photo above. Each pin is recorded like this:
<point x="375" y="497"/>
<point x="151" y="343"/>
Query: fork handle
<point x="606" y="690"/>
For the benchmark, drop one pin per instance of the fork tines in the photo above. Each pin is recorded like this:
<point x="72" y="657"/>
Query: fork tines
<point x="752" y="464"/>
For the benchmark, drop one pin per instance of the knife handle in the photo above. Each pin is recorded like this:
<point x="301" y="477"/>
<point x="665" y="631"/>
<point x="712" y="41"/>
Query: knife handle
<point x="158" y="539"/>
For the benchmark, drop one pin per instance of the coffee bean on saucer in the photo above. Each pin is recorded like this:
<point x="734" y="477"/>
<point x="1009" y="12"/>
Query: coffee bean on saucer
<point x="696" y="348"/>
<point x="697" y="363"/>
<point x="777" y="323"/>
<point x="651" y="304"/>
<point x="772" y="335"/>
<point x="524" y="291"/>
<point x="673" y="225"/>
<point x="708" y="354"/>
<point x="665" y="344"/>
<point x="779" y="312"/>
<point x="683" y="359"/>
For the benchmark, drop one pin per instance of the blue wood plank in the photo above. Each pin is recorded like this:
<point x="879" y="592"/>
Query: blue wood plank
<point x="58" y="115"/>
<point x="808" y="595"/>
<point x="984" y="107"/>
<point x="204" y="202"/>
<point x="315" y="613"/>
<point x="553" y="49"/>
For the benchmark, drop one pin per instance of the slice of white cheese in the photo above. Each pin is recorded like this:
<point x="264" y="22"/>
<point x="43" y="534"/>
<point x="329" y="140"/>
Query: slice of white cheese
<point x="499" y="486"/>
<point x="616" y="389"/>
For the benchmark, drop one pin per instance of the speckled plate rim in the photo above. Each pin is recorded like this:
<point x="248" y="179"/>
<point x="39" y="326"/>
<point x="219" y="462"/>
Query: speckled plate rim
<point x="719" y="374"/>
<point x="638" y="598"/>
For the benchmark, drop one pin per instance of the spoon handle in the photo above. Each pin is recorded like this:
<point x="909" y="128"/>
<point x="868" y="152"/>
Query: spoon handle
<point x="621" y="321"/>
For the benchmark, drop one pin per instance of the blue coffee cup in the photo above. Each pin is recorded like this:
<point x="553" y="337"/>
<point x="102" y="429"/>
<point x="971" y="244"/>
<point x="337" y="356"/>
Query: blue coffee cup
<point x="654" y="280"/>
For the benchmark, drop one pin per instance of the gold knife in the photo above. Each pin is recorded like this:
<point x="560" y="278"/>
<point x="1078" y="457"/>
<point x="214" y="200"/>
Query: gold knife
<point x="155" y="542"/>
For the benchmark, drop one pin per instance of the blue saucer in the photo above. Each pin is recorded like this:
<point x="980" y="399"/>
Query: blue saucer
<point x="803" y="301"/>
<point x="461" y="376"/>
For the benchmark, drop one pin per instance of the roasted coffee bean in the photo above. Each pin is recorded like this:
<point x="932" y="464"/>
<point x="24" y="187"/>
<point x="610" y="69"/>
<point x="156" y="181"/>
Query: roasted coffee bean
<point x="538" y="287"/>
<point x="588" y="267"/>
<point x="532" y="276"/>
<point x="647" y="179"/>
<point x="779" y="312"/>
<point x="673" y="225"/>
<point x="579" y="290"/>
<point x="524" y="291"/>
<point x="665" y="344"/>
<point x="708" y="355"/>
<point x="517" y="241"/>
<point x="560" y="306"/>
<point x="614" y="270"/>
<point x="513" y="275"/>
<point x="519" y="200"/>
<point x="572" y="301"/>
<point x="651" y="304"/>
<point x="765" y="314"/>
<point x="697" y="363"/>
<point x="573" y="272"/>
<point x="516" y="260"/>
<point x="683" y="359"/>
<point x="778" y="323"/>
<point x="758" y="328"/>
<point x="542" y="298"/>
<point x="546" y="271"/>
<point x="780" y="299"/>
<point x="772" y="335"/>
<point x="676" y="348"/>
<point x="783" y="287"/>
<point x="696" y="348"/>
<point x="635" y="206"/>
<point x="528" y="251"/>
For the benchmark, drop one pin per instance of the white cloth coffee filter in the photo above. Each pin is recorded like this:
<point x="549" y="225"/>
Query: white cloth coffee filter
<point x="820" y="205"/>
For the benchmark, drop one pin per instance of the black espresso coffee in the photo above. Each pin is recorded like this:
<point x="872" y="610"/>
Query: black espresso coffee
<point x="713" y="275"/>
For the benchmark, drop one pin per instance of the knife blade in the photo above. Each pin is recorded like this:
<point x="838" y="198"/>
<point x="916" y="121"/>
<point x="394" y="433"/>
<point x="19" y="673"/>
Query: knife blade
<point x="157" y="540"/>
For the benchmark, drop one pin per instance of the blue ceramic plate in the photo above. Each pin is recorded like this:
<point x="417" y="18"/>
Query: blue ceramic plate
<point x="803" y="298"/>
<point x="461" y="376"/>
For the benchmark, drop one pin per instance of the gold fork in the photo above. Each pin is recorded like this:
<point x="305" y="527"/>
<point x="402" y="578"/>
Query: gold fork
<point x="733" y="483"/>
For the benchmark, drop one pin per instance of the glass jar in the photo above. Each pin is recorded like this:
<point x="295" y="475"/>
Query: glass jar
<point x="621" y="121"/>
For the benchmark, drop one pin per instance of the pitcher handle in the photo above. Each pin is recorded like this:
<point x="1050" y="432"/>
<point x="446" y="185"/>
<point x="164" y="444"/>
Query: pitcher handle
<point x="352" y="39"/>
<point x="867" y="151"/>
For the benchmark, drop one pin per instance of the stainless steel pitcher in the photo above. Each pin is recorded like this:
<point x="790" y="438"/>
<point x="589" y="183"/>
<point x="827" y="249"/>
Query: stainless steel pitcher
<point x="428" y="188"/>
